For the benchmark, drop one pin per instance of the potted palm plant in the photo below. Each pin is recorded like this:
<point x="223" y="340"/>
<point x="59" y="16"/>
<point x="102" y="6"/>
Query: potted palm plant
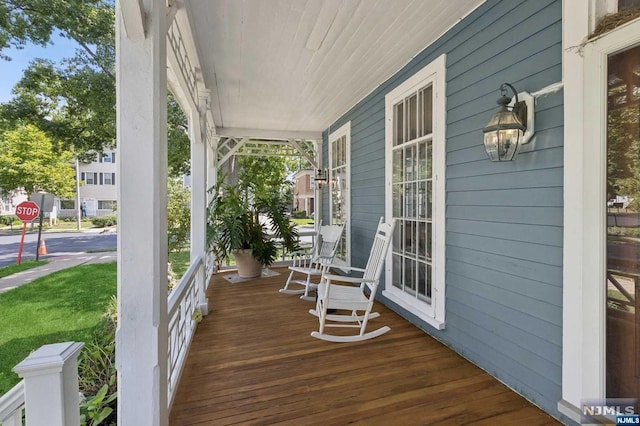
<point x="250" y="225"/>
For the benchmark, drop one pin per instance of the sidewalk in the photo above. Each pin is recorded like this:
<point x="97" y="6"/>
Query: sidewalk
<point x="56" y="263"/>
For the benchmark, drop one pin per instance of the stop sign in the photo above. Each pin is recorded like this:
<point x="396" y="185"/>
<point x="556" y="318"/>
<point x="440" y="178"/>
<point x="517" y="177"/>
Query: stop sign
<point x="27" y="211"/>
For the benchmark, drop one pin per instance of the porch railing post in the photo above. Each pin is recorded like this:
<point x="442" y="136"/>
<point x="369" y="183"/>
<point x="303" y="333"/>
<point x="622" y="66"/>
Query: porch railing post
<point x="51" y="385"/>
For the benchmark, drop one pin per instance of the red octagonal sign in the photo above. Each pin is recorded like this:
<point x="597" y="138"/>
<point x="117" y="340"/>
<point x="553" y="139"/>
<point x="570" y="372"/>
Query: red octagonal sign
<point x="27" y="211"/>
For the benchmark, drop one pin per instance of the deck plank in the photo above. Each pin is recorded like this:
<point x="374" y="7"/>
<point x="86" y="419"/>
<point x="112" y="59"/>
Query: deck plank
<point x="252" y="361"/>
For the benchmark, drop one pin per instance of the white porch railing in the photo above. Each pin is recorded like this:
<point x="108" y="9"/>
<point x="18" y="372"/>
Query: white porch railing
<point x="12" y="406"/>
<point x="182" y="305"/>
<point x="48" y="394"/>
<point x="42" y="369"/>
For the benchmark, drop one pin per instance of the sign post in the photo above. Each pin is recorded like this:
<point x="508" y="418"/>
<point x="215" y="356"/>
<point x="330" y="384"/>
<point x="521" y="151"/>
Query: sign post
<point x="26" y="212"/>
<point x="41" y="205"/>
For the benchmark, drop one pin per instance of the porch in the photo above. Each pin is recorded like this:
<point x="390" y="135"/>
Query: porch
<point x="252" y="361"/>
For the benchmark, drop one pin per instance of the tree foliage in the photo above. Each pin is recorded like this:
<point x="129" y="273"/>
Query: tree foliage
<point x="623" y="130"/>
<point x="29" y="160"/>
<point x="74" y="101"/>
<point x="179" y="145"/>
<point x="178" y="215"/>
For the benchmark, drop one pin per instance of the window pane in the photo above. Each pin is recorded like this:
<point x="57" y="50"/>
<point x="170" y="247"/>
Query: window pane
<point x="398" y="196"/>
<point x="410" y="200"/>
<point x="412" y="116"/>
<point x="628" y="5"/>
<point x="410" y="276"/>
<point x="410" y="237"/>
<point x="67" y="204"/>
<point x="429" y="240"/>
<point x="429" y="199"/>
<point x="424" y="282"/>
<point x="334" y="149"/>
<point x="397" y="165"/>
<point x="398" y="119"/>
<point x="422" y="160"/>
<point x="622" y="282"/>
<point x="422" y="200"/>
<point x="427" y="110"/>
<point x="422" y="240"/>
<point x="397" y="271"/>
<point x="409" y="163"/>
<point x="397" y="237"/>
<point x="429" y="155"/>
<point x="420" y="113"/>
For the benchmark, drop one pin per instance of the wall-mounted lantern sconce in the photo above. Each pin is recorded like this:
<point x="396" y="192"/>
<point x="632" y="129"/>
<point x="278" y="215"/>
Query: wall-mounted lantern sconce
<point x="511" y="126"/>
<point x="321" y="177"/>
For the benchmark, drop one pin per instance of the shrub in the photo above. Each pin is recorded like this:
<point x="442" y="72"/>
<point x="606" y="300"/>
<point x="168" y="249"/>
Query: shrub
<point x="97" y="371"/>
<point x="102" y="221"/>
<point x="8" y="219"/>
<point x="300" y="214"/>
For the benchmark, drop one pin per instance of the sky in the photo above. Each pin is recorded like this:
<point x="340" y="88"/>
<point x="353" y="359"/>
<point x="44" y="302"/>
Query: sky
<point x="11" y="71"/>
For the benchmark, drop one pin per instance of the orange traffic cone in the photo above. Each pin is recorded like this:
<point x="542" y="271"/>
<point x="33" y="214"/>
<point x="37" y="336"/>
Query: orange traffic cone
<point x="43" y="248"/>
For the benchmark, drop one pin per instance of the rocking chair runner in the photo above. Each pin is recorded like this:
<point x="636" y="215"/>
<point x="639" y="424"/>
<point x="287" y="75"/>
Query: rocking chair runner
<point x="313" y="265"/>
<point x="352" y="298"/>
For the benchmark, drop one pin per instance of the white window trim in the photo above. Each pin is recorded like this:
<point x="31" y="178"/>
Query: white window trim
<point x="584" y="314"/>
<point x="344" y="130"/>
<point x="95" y="178"/>
<point x="434" y="72"/>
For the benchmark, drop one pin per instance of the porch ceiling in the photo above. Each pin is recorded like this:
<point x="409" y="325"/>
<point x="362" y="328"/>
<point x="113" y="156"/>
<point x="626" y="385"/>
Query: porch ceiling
<point x="293" y="65"/>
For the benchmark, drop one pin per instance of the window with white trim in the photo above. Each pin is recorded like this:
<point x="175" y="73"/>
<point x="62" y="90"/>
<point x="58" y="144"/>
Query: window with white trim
<point x="67" y="204"/>
<point x="415" y="165"/>
<point x="107" y="157"/>
<point x="89" y="178"/>
<point x="340" y="187"/>
<point x="107" y="205"/>
<point x="108" y="178"/>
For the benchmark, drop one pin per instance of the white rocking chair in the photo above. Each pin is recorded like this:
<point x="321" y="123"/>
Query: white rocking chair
<point x="312" y="265"/>
<point x="353" y="298"/>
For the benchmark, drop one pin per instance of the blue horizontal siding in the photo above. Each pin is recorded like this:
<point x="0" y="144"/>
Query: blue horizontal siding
<point x="503" y="220"/>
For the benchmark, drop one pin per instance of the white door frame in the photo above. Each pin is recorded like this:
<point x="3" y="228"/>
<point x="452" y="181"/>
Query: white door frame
<point x="584" y="296"/>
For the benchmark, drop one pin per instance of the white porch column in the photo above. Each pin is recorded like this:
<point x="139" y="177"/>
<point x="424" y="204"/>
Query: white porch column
<point x="142" y="335"/>
<point x="197" y="136"/>
<point x="51" y="385"/>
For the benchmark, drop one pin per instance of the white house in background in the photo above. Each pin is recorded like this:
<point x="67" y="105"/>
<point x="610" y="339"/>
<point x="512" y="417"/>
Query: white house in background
<point x="8" y="202"/>
<point x="97" y="188"/>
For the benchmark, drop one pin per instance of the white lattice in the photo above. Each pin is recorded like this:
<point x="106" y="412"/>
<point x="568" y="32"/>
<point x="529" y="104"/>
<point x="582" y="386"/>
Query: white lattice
<point x="182" y="306"/>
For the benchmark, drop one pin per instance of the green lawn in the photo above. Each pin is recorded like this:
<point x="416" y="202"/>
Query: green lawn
<point x="302" y="221"/>
<point x="179" y="262"/>
<point x="23" y="266"/>
<point x="63" y="306"/>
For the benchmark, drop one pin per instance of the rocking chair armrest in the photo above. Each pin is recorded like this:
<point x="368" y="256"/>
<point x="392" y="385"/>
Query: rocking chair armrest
<point x="352" y="280"/>
<point x="345" y="268"/>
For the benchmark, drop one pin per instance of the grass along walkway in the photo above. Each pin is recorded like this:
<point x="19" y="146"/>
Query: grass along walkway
<point x="23" y="266"/>
<point x="63" y="306"/>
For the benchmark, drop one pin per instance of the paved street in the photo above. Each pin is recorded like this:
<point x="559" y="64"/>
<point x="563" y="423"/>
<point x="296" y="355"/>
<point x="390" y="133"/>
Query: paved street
<point x="58" y="244"/>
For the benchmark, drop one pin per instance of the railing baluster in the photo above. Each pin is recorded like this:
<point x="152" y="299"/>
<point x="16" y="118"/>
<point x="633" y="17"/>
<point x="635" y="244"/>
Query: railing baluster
<point x="182" y="304"/>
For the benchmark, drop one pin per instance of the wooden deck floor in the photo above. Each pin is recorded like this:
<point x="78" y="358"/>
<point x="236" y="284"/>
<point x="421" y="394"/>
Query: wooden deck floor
<point x="252" y="361"/>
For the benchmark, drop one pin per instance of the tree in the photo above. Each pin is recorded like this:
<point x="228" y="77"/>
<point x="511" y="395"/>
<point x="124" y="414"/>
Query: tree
<point x="178" y="215"/>
<point x="179" y="145"/>
<point x="74" y="102"/>
<point x="29" y="160"/>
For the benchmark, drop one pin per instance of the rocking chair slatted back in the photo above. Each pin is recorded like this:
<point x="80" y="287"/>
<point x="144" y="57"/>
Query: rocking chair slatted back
<point x="328" y="242"/>
<point x="379" y="248"/>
